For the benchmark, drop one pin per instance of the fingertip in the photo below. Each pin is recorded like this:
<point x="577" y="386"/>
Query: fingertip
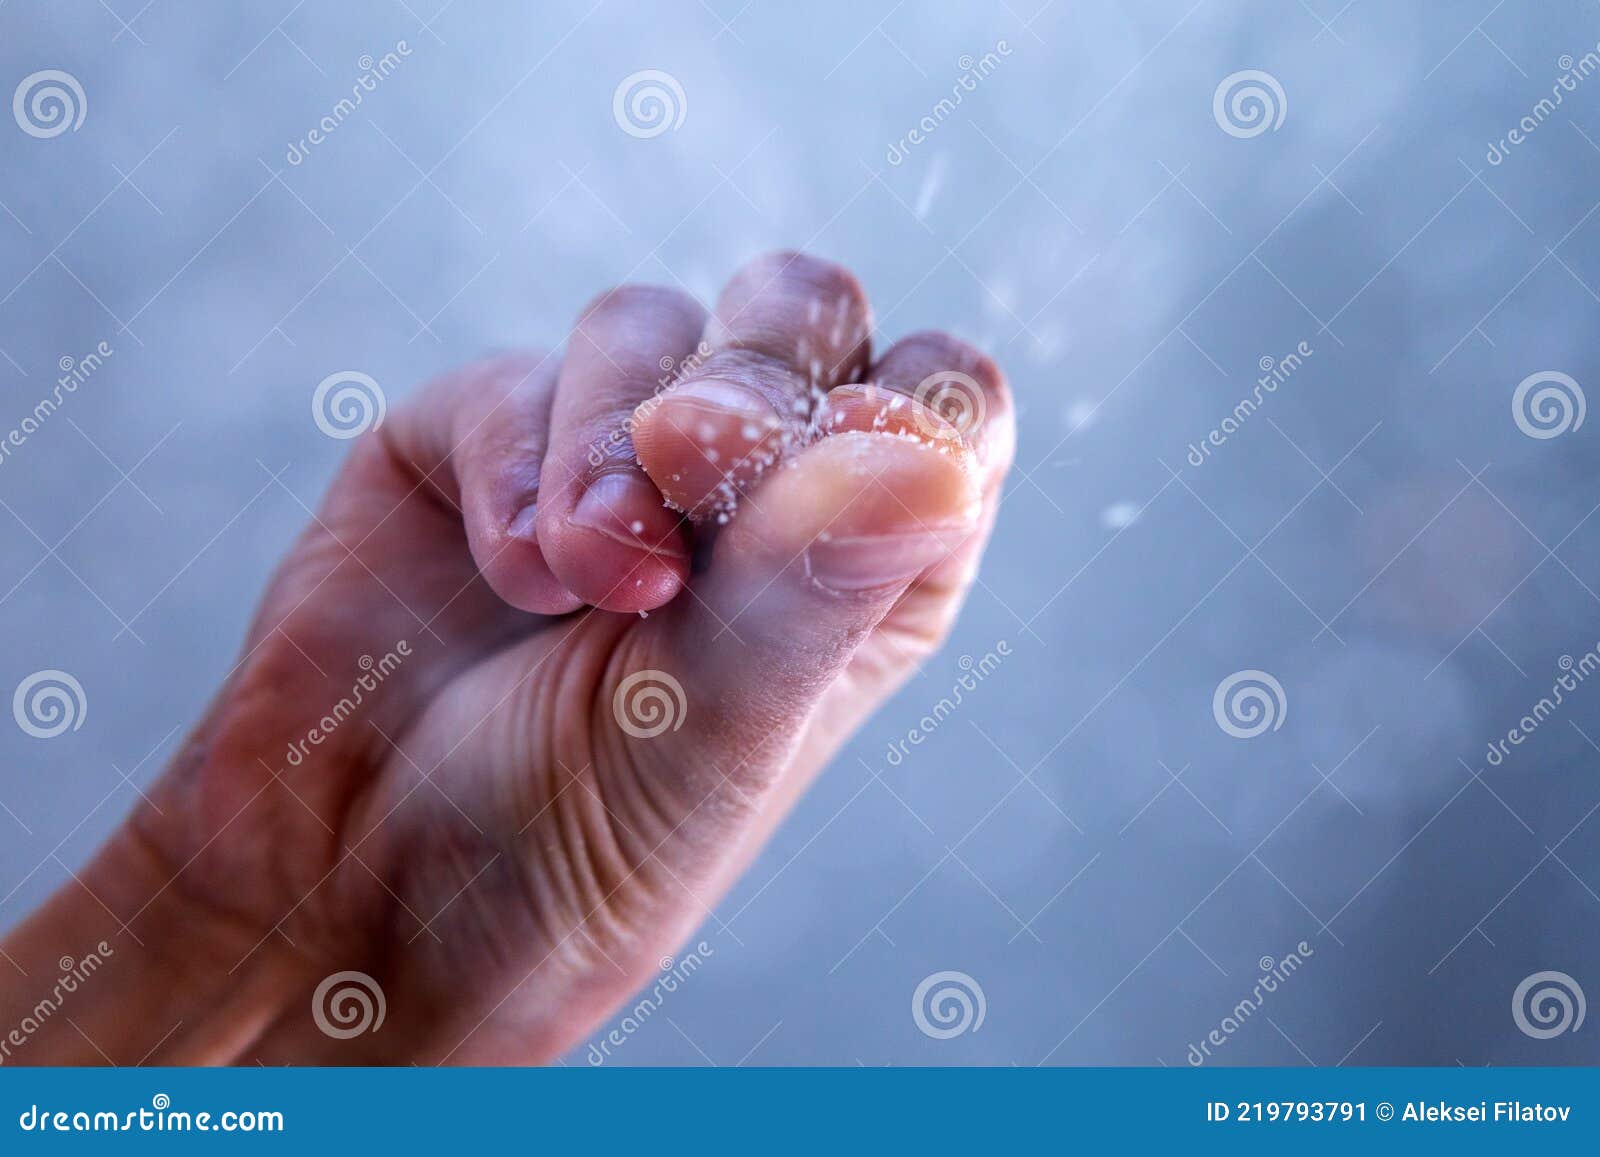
<point x="511" y="562"/>
<point x="707" y="442"/>
<point x="619" y="548"/>
<point x="865" y="510"/>
<point x="801" y="576"/>
<point x="962" y="385"/>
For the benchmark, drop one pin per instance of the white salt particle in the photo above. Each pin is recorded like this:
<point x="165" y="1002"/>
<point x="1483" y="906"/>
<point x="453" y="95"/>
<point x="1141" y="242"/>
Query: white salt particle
<point x="1119" y="514"/>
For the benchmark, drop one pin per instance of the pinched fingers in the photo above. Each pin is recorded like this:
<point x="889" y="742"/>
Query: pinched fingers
<point x="787" y="328"/>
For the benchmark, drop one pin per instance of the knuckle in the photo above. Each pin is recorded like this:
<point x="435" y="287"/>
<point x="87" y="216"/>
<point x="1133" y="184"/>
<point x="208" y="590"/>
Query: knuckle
<point x="809" y="313"/>
<point x="913" y="358"/>
<point x="632" y="299"/>
<point x="793" y="273"/>
<point x="512" y="366"/>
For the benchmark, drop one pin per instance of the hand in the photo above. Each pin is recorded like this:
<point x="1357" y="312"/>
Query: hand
<point x="507" y="723"/>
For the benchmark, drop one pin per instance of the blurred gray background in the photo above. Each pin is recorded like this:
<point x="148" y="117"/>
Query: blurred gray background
<point x="1080" y="838"/>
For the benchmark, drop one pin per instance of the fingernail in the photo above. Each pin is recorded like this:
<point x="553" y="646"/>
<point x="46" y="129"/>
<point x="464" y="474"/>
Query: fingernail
<point x="871" y="561"/>
<point x="724" y="399"/>
<point x="620" y="504"/>
<point x="875" y="410"/>
<point x="523" y="523"/>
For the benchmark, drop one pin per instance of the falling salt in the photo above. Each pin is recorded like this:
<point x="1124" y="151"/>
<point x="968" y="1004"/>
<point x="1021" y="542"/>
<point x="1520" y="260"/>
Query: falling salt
<point x="932" y="182"/>
<point x="637" y="527"/>
<point x="1080" y="413"/>
<point x="1120" y="514"/>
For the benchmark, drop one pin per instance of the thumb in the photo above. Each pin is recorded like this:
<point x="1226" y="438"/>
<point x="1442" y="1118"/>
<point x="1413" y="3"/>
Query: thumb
<point x="809" y="565"/>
